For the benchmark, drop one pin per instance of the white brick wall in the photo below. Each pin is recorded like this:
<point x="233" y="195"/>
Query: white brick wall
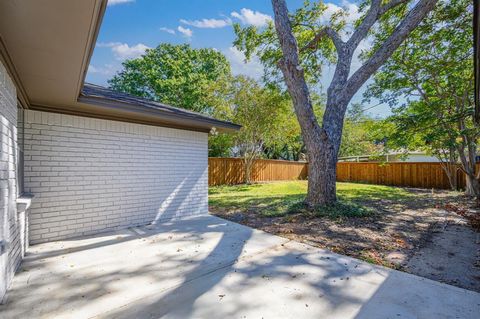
<point x="11" y="224"/>
<point x="91" y="175"/>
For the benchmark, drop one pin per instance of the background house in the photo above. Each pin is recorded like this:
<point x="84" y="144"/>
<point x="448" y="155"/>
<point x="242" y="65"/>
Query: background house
<point x="419" y="157"/>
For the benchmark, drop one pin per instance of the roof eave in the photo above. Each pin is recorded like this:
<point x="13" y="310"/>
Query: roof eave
<point x="163" y="118"/>
<point x="95" y="25"/>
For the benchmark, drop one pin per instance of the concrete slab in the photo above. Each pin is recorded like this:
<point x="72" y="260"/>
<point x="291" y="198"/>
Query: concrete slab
<point x="207" y="267"/>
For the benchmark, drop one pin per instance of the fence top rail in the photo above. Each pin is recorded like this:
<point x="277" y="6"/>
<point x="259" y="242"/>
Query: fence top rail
<point x="260" y="159"/>
<point x="340" y="163"/>
<point x="392" y="163"/>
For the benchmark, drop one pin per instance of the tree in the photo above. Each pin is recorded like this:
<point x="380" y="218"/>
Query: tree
<point x="260" y="111"/>
<point x="174" y="74"/>
<point x="399" y="133"/>
<point x="356" y="137"/>
<point x="305" y="44"/>
<point x="435" y="67"/>
<point x="220" y="145"/>
<point x="219" y="96"/>
<point x="287" y="142"/>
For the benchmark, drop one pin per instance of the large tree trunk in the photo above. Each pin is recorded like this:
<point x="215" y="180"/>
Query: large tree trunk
<point x="323" y="155"/>
<point x="322" y="173"/>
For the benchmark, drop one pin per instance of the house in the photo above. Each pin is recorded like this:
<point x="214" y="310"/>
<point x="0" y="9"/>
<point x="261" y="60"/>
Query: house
<point x="79" y="159"/>
<point x="411" y="157"/>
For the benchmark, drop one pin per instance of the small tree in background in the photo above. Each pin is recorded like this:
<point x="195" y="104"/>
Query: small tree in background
<point x="261" y="112"/>
<point x="435" y="67"/>
<point x="356" y="136"/>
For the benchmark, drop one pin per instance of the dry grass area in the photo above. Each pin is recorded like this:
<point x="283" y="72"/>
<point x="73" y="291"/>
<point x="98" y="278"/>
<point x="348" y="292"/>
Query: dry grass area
<point x="379" y="224"/>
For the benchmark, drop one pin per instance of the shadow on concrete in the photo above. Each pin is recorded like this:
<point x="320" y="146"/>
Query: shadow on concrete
<point x="207" y="267"/>
<point x="69" y="275"/>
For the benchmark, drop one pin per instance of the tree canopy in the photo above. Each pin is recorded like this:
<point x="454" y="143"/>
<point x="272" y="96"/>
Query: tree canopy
<point x="357" y="137"/>
<point x="295" y="48"/>
<point x="174" y="74"/>
<point x="267" y="119"/>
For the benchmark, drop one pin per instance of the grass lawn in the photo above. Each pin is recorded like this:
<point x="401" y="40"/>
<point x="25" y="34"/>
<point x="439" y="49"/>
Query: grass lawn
<point x="283" y="198"/>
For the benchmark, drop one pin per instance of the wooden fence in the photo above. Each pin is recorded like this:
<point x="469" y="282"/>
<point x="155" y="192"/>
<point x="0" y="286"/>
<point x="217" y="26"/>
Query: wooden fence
<point x="409" y="174"/>
<point x="230" y="171"/>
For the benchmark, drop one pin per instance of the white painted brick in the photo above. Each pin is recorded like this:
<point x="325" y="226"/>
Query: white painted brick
<point x="13" y="223"/>
<point x="92" y="175"/>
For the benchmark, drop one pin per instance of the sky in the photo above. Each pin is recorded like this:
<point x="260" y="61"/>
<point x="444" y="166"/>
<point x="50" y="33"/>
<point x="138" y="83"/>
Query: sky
<point x="130" y="27"/>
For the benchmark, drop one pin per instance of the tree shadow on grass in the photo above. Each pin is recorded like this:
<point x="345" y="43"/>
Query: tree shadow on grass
<point x="370" y="222"/>
<point x="381" y="198"/>
<point x="236" y="188"/>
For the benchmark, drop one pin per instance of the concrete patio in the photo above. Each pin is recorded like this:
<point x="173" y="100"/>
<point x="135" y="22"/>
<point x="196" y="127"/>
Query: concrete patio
<point x="206" y="267"/>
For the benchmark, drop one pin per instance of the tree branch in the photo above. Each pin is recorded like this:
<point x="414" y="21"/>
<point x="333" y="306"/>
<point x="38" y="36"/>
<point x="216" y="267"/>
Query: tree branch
<point x="392" y="4"/>
<point x="376" y="10"/>
<point x="374" y="13"/>
<point x="324" y="32"/>
<point x="294" y="74"/>
<point x="362" y="30"/>
<point x="401" y="32"/>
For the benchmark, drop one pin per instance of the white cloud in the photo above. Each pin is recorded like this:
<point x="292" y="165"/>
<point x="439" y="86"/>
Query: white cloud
<point x="168" y="30"/>
<point x="351" y="14"/>
<point x="185" y="31"/>
<point x="352" y="10"/>
<point x="106" y="70"/>
<point x="114" y="2"/>
<point x="208" y="23"/>
<point x="252" y="68"/>
<point x="256" y="18"/>
<point x="123" y="51"/>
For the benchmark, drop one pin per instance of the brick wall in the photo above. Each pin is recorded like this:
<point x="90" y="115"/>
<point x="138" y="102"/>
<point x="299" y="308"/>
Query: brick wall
<point x="11" y="223"/>
<point x="91" y="175"/>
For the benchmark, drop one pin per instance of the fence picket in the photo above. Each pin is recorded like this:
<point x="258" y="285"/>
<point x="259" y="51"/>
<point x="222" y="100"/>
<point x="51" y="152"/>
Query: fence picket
<point x="230" y="171"/>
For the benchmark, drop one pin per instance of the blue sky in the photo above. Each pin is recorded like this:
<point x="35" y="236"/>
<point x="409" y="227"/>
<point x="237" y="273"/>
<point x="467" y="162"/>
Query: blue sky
<point x="131" y="26"/>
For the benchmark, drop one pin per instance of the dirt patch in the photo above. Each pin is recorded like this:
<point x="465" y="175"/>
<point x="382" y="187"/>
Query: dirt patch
<point x="423" y="236"/>
<point x="448" y="256"/>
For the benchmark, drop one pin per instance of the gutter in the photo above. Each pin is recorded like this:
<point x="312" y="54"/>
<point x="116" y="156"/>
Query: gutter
<point x="184" y="120"/>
